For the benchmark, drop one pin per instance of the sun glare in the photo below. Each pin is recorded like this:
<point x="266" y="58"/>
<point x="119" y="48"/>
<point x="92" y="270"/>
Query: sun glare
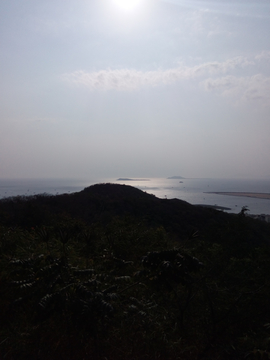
<point x="127" y="5"/>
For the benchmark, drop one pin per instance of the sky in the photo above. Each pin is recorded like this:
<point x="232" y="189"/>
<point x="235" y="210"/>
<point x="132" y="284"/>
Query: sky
<point x="134" y="88"/>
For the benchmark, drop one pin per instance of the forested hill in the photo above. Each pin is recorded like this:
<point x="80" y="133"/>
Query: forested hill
<point x="114" y="273"/>
<point x="101" y="203"/>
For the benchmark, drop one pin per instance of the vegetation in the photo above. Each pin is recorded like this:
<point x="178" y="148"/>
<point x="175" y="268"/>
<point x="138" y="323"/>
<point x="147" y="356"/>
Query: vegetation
<point x="114" y="273"/>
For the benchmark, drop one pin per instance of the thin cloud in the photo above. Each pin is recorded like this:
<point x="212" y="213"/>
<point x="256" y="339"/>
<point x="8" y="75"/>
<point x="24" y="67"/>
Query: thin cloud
<point x="255" y="88"/>
<point x="131" y="79"/>
<point x="249" y="88"/>
<point x="264" y="55"/>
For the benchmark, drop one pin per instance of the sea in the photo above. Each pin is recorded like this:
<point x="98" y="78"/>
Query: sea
<point x="195" y="191"/>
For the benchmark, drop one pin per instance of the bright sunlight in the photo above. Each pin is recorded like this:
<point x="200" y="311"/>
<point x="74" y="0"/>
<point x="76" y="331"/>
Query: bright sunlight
<point x="127" y="5"/>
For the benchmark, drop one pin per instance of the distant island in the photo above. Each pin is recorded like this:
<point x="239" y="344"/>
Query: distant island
<point x="176" y="177"/>
<point x="127" y="179"/>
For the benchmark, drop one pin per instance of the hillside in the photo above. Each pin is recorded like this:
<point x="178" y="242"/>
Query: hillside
<point x="112" y="272"/>
<point x="103" y="202"/>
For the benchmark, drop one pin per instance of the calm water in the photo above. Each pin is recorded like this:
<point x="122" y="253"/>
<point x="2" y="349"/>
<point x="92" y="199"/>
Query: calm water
<point x="190" y="190"/>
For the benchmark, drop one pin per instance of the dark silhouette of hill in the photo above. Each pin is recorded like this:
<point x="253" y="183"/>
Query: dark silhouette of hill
<point x="100" y="203"/>
<point x="114" y="272"/>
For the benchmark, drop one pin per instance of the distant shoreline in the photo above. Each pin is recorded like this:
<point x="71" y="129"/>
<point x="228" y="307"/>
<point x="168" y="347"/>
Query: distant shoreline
<point x="265" y="196"/>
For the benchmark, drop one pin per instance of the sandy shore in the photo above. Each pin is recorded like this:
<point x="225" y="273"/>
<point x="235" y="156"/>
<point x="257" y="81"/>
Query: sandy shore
<point x="244" y="194"/>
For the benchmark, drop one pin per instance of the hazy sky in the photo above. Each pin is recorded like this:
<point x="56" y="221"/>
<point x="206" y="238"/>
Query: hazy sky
<point x="99" y="88"/>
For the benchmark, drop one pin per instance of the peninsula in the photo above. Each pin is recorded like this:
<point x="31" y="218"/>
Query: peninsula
<point x="265" y="196"/>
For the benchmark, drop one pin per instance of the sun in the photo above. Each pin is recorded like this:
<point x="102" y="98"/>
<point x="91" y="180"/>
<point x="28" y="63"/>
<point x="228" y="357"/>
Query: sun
<point x="127" y="5"/>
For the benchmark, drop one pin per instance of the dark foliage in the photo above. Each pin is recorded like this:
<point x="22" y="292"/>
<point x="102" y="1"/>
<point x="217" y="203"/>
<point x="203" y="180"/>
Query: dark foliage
<point x="114" y="273"/>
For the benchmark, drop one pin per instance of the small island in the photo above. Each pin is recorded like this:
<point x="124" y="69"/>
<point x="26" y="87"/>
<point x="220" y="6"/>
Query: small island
<point x="128" y="179"/>
<point x="175" y="177"/>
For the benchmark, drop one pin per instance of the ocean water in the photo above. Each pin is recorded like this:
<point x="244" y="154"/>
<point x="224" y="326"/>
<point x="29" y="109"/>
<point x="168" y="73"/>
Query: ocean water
<point x="193" y="191"/>
<point x="15" y="187"/>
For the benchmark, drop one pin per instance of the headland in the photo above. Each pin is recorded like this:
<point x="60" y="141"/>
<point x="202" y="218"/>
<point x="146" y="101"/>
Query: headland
<point x="265" y="196"/>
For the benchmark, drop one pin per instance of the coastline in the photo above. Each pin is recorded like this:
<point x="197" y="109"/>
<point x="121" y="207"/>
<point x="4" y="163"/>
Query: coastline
<point x="265" y="196"/>
<point x="216" y="207"/>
